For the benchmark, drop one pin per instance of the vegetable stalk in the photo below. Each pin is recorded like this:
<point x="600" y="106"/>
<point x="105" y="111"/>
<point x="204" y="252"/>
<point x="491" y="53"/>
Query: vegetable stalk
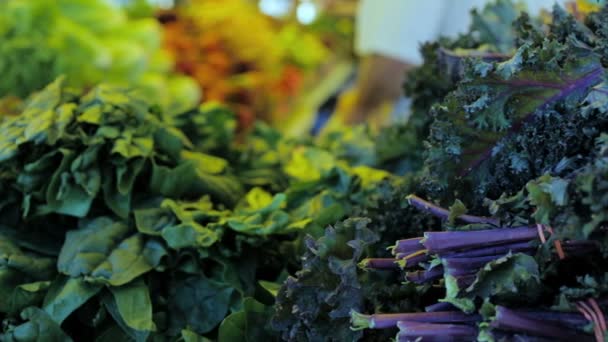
<point x="443" y="213"/>
<point x="382" y="321"/>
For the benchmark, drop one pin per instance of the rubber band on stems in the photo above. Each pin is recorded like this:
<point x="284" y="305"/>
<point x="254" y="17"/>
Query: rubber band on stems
<point x="557" y="243"/>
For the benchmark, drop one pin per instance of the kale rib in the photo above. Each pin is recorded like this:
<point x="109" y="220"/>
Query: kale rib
<point x="443" y="213"/>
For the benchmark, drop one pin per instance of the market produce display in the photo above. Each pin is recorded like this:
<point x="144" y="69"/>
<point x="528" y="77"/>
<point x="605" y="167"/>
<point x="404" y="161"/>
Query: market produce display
<point x="502" y="236"/>
<point x="131" y="216"/>
<point x="88" y="41"/>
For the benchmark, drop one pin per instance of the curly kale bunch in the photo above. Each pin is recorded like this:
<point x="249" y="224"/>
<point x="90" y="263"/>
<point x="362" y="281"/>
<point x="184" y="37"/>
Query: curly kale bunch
<point x="509" y="122"/>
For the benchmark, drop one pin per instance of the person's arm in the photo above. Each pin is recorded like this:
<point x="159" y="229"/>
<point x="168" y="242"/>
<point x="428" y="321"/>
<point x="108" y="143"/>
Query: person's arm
<point x="380" y="80"/>
<point x="388" y="36"/>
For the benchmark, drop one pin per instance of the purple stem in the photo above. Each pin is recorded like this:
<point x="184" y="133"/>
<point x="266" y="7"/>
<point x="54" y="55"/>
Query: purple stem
<point x="492" y="250"/>
<point x="572" y="319"/>
<point x="511" y="320"/>
<point x="437" y="242"/>
<point x="407" y="246"/>
<point x="412" y="260"/>
<point x="424" y="276"/>
<point x="441" y="306"/>
<point x="379" y="263"/>
<point x="470" y="263"/>
<point x="384" y="321"/>
<point x="435" y="332"/>
<point x="443" y="213"/>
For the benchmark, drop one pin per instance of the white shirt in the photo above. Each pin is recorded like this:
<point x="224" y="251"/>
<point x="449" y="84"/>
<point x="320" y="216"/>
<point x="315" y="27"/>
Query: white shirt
<point x="396" y="28"/>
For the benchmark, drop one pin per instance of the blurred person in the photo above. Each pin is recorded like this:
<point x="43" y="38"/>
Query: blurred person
<point x="388" y="36"/>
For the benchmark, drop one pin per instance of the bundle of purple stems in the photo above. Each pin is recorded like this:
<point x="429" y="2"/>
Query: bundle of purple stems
<point x="463" y="253"/>
<point x="545" y="325"/>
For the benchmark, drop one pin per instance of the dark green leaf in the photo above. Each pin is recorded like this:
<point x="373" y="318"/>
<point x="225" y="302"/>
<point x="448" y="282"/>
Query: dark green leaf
<point x="199" y="303"/>
<point x="250" y="324"/>
<point x="66" y="295"/>
<point x="134" y="305"/>
<point x="107" y="252"/>
<point x="38" y="328"/>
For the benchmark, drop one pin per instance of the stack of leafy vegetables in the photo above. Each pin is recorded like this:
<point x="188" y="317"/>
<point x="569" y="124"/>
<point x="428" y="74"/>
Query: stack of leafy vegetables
<point x="118" y="221"/>
<point x="503" y="237"/>
<point x="89" y="41"/>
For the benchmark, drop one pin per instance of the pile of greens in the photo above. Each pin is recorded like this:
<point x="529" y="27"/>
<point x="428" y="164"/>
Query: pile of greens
<point x="89" y="41"/>
<point x="503" y="235"/>
<point x="123" y="221"/>
<point x="119" y="221"/>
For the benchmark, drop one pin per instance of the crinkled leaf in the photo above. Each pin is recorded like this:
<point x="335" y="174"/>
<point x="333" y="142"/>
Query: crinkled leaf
<point x="64" y="195"/>
<point x="493" y="24"/>
<point x="486" y="108"/>
<point x="316" y="303"/>
<point x="309" y="164"/>
<point x="597" y="99"/>
<point x="454" y="297"/>
<point x="152" y="221"/>
<point x="197" y="211"/>
<point x="456" y="210"/>
<point x="190" y="234"/>
<point x="261" y="213"/>
<point x="514" y="275"/>
<point x="130" y="147"/>
<point x="211" y="128"/>
<point x="547" y="194"/>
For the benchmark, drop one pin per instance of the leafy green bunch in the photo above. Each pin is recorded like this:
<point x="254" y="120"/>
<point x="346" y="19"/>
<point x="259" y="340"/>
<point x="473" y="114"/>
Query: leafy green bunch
<point x="512" y="121"/>
<point x="117" y="224"/>
<point x="89" y="41"/>
<point x="511" y="133"/>
<point x="527" y="272"/>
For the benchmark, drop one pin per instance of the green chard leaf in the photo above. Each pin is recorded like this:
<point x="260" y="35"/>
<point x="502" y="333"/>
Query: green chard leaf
<point x="107" y="252"/>
<point x="66" y="295"/>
